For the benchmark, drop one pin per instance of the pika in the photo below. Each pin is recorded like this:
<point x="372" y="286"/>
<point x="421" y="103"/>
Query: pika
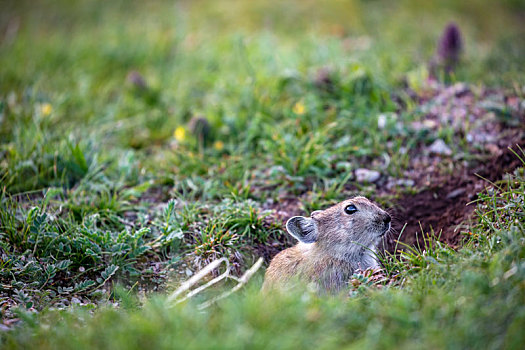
<point x="333" y="243"/>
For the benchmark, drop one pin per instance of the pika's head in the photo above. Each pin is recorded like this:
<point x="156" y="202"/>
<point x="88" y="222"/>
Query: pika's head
<point x="343" y="228"/>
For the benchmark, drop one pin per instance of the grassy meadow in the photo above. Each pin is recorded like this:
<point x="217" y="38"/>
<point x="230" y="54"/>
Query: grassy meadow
<point x="140" y="141"/>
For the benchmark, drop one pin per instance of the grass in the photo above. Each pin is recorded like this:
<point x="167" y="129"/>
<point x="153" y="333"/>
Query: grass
<point x="138" y="142"/>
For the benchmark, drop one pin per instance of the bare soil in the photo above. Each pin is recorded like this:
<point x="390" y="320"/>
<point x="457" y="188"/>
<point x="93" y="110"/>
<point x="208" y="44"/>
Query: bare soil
<point x="444" y="202"/>
<point x="446" y="205"/>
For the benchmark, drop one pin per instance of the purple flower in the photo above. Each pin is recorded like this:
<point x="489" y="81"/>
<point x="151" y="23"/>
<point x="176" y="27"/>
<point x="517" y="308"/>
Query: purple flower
<point x="450" y="46"/>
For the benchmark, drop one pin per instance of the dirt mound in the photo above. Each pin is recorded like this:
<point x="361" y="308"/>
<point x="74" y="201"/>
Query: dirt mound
<point x="490" y="122"/>
<point x="444" y="206"/>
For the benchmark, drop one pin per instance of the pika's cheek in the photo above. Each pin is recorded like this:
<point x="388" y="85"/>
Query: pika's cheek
<point x="345" y="225"/>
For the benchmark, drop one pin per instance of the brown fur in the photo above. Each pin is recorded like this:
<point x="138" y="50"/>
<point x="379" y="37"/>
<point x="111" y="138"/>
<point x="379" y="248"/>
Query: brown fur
<point x="333" y="244"/>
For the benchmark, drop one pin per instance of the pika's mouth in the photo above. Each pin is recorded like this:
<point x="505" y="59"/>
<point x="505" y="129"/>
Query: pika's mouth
<point x="385" y="230"/>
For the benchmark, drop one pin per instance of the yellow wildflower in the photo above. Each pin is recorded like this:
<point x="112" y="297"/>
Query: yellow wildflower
<point x="218" y="145"/>
<point x="180" y="134"/>
<point x="299" y="108"/>
<point x="46" y="109"/>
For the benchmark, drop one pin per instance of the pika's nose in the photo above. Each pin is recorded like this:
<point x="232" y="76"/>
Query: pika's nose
<point x="387" y="219"/>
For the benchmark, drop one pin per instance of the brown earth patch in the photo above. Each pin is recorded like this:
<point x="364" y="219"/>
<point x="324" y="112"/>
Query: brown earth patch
<point x="448" y="187"/>
<point x="446" y="205"/>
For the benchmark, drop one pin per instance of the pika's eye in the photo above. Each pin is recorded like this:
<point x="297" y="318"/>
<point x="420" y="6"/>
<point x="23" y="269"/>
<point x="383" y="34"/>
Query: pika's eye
<point x="350" y="209"/>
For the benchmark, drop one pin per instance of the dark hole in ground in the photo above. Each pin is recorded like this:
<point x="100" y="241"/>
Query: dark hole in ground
<point x="444" y="207"/>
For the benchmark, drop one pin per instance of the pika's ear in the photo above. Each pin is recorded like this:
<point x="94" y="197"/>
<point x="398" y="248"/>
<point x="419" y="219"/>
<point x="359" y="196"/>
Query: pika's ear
<point x="304" y="229"/>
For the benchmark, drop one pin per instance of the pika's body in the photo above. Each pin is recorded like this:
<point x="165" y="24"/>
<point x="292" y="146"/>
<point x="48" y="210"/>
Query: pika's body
<point x="333" y="243"/>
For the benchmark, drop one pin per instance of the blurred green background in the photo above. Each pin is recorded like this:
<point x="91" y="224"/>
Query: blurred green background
<point x="154" y="32"/>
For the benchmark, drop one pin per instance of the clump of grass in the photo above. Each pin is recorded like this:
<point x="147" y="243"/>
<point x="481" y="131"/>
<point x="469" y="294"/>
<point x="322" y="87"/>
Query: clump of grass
<point x="52" y="253"/>
<point x="227" y="229"/>
<point x="47" y="257"/>
<point x="38" y="158"/>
